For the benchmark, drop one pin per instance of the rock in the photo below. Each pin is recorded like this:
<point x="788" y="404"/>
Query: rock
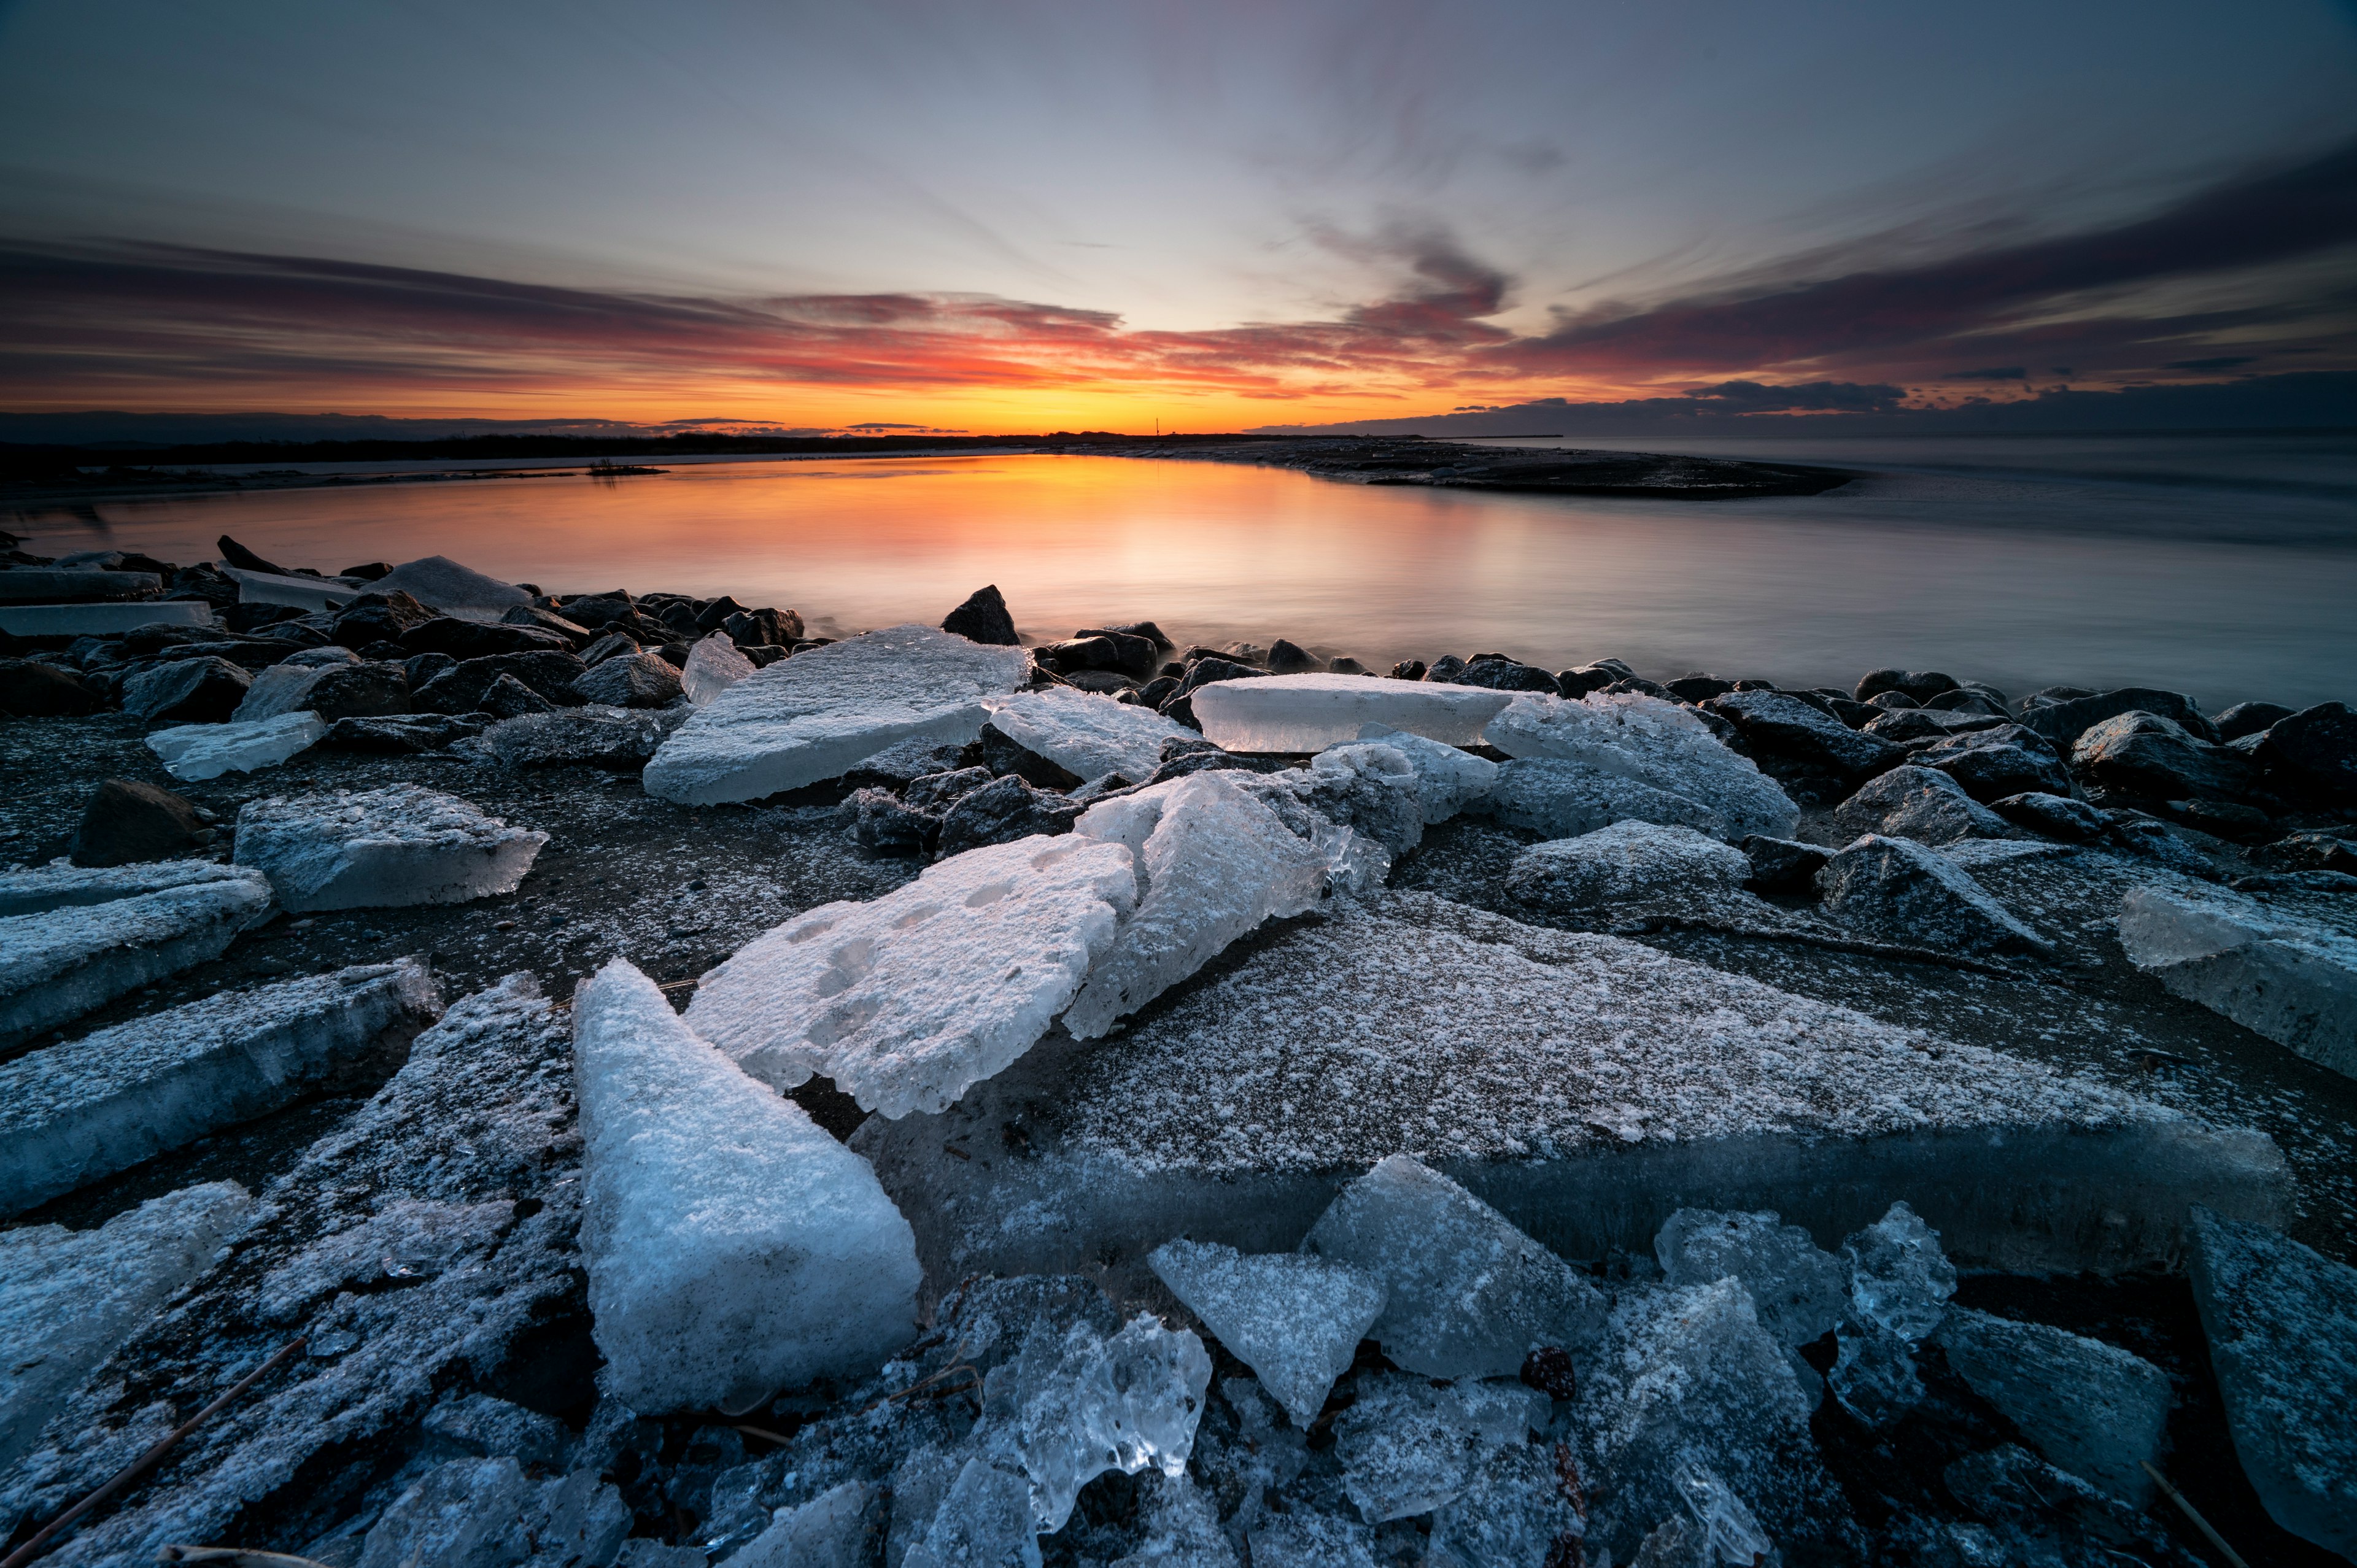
<point x="982" y="618"/>
<point x="463" y="639"/>
<point x="1448" y="780"/>
<point x="1918" y="803"/>
<point x="814" y="716"/>
<point x="1134" y="654"/>
<point x="2291" y="980"/>
<point x="1632" y="871"/>
<point x="1469" y="1296"/>
<point x="381" y="849"/>
<point x="73" y="1113"/>
<point x="30" y="691"/>
<point x="2005" y="760"/>
<point x="1925" y="724"/>
<point x="1779" y="724"/>
<point x="882" y="821"/>
<point x="629" y="680"/>
<point x="2063" y="722"/>
<point x="57" y="963"/>
<point x="127" y="822"/>
<point x="1921" y="685"/>
<point x="1496" y="672"/>
<point x="1698" y="688"/>
<point x="423" y="668"/>
<point x="619" y="738"/>
<point x="1290" y="658"/>
<point x="1003" y="812"/>
<point x="575" y="635"/>
<point x="713" y="666"/>
<point x="464" y="687"/>
<point x="907" y="1000"/>
<point x="509" y="698"/>
<point x="1563" y="799"/>
<point x="1408" y="670"/>
<point x="1294" y="1319"/>
<point x="1635" y="757"/>
<point x="734" y="1248"/>
<point x="2250" y="718"/>
<point x="1897" y="890"/>
<point x="2091" y="1408"/>
<point x="346" y="689"/>
<point x="2025" y="1511"/>
<point x="198" y="752"/>
<point x="611" y="645"/>
<point x="1214" y="668"/>
<point x="68" y="585"/>
<point x="765" y="628"/>
<point x="1310" y="712"/>
<point x="2142" y="754"/>
<point x="1365" y="785"/>
<point x="399" y="734"/>
<point x="1965" y="701"/>
<point x="188" y="690"/>
<point x="2056" y="816"/>
<point x="2314" y="752"/>
<point x="1784" y="866"/>
<point x="1085" y="737"/>
<point x="376" y="618"/>
<point x="442" y="584"/>
<point x="2309" y="852"/>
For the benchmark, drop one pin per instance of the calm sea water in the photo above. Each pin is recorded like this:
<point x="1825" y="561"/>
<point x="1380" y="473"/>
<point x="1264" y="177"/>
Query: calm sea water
<point x="2222" y="568"/>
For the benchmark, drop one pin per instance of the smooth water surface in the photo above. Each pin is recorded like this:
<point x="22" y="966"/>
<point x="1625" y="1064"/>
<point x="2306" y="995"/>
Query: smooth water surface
<point x="2225" y="568"/>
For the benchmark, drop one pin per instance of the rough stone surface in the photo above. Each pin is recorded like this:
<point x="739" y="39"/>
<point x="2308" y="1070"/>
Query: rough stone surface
<point x="2142" y="754"/>
<point x="382" y="848"/>
<point x="982" y="618"/>
<point x="2005" y="760"/>
<point x="2091" y="1408"/>
<point x="2315" y="752"/>
<point x="1652" y="744"/>
<point x="623" y="739"/>
<point x="1918" y="803"/>
<point x="1632" y="870"/>
<point x="1898" y="890"/>
<point x="2056" y="816"/>
<point x="1781" y="725"/>
<point x="2062" y="722"/>
<point x="128" y="821"/>
<point x="187" y="691"/>
<point x="1003" y="811"/>
<point x="630" y="679"/>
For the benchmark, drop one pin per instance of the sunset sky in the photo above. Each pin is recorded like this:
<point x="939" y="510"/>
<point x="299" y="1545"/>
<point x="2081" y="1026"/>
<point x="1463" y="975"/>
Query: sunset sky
<point x="1015" y="216"/>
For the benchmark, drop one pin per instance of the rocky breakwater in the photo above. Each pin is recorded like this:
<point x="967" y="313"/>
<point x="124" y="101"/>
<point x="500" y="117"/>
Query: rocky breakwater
<point x="1207" y="1106"/>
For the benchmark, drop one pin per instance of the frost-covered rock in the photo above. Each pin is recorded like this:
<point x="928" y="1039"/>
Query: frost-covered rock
<point x="1409" y="1447"/>
<point x="579" y="1521"/>
<point x="196" y="752"/>
<point x="405" y="1239"/>
<point x="1073" y="1405"/>
<point x="1310" y="712"/>
<point x="68" y="1298"/>
<point x="1448" y="779"/>
<point x="2291" y="980"/>
<point x="440" y="582"/>
<point x="468" y="1513"/>
<point x="74" y="1112"/>
<point x="59" y="886"/>
<point x="733" y="1247"/>
<point x="713" y="666"/>
<point x="1897" y="890"/>
<point x="906" y="1000"/>
<point x="2281" y="1320"/>
<point x="1919" y="803"/>
<point x="383" y="848"/>
<point x="1635" y="870"/>
<point x="1650" y="742"/>
<point x="813" y="716"/>
<point x="2094" y="1409"/>
<point x="619" y="738"/>
<point x="1799" y="1291"/>
<point x="1087" y="735"/>
<point x="58" y="964"/>
<point x="1213" y="863"/>
<point x="489" y="1428"/>
<point x="632" y="680"/>
<point x="1469" y="1294"/>
<point x="1296" y="1320"/>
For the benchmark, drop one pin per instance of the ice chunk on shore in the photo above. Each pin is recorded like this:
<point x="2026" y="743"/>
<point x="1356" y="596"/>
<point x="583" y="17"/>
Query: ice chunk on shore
<point x="1513" y="1513"/>
<point x="2281" y="1319"/>
<point x="382" y="848"/>
<point x="1653" y="743"/>
<point x="1295" y="1320"/>
<point x="713" y="666"/>
<point x="1215" y="864"/>
<point x="74" y="1112"/>
<point x="984" y="1521"/>
<point x="61" y="884"/>
<point x="440" y="582"/>
<point x="1563" y="799"/>
<point x="813" y="716"/>
<point x="1448" y="780"/>
<point x="68" y="1298"/>
<point x="1900" y="1279"/>
<point x="2093" y="1408"/>
<point x="1087" y="735"/>
<point x="2291" y="980"/>
<point x="828" y="1532"/>
<point x="1310" y="712"/>
<point x="1409" y="1447"/>
<point x="1469" y="1296"/>
<point x="58" y="965"/>
<point x="1367" y="786"/>
<point x="1798" y="1291"/>
<point x="734" y="1248"/>
<point x="198" y="752"/>
<point x="1075" y="1405"/>
<point x="907" y="1000"/>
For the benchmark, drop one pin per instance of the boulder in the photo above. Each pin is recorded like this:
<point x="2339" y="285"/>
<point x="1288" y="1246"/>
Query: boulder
<point x="2064" y="721"/>
<point x="2250" y="718"/>
<point x="462" y="688"/>
<point x="575" y="634"/>
<point x="610" y="645"/>
<point x="1918" y="685"/>
<point x="399" y="734"/>
<point x="1784" y="866"/>
<point x="1002" y="811"/>
<point x="1290" y="658"/>
<point x="2004" y="759"/>
<point x="463" y="639"/>
<point x="1907" y="724"/>
<point x="1632" y="870"/>
<point x="1496" y="672"/>
<point x="2314" y="752"/>
<point x="1137" y="652"/>
<point x="1919" y="803"/>
<point x="1897" y="890"/>
<point x="2144" y="754"/>
<point x="378" y="617"/>
<point x="2056" y="816"/>
<point x="127" y="822"/>
<point x="1779" y="724"/>
<point x="188" y="690"/>
<point x="29" y="691"/>
<point x="765" y="628"/>
<point x="629" y="680"/>
<point x="509" y="698"/>
<point x="983" y="617"/>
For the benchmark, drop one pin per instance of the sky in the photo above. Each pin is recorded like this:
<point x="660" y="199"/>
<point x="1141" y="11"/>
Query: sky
<point x="1209" y="216"/>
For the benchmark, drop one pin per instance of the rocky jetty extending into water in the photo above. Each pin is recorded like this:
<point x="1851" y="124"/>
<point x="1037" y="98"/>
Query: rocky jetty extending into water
<point x="688" y="1092"/>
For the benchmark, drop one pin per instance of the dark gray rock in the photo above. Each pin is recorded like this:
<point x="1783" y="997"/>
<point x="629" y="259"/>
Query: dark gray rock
<point x="1897" y="890"/>
<point x="1922" y="685"/>
<point x="1964" y="700"/>
<point x="1103" y="682"/>
<point x="1343" y="664"/>
<point x="765" y="628"/>
<point x="466" y="639"/>
<point x="509" y="698"/>
<point x="898" y="767"/>
<point x="621" y="739"/>
<point x="1784" y="866"/>
<point x="1002" y="811"/>
<point x="1078" y="653"/>
<point x="2063" y="722"/>
<point x="2139" y="833"/>
<point x="127" y="822"/>
<point x="360" y="691"/>
<point x="29" y="691"/>
<point x="1204" y="671"/>
<point x="1147" y="630"/>
<point x="937" y="792"/>
<point x="575" y="634"/>
<point x="399" y="734"/>
<point x="761" y="656"/>
<point x="882" y="821"/>
<point x="423" y="668"/>
<point x="188" y="691"/>
<point x="2055" y="816"/>
<point x="1698" y="688"/>
<point x="378" y="617"/>
<point x="1134" y="655"/>
<point x="609" y="646"/>
<point x="1498" y="673"/>
<point x="629" y="680"/>
<point x="982" y="618"/>
<point x="2314" y="753"/>
<point x="1592" y="677"/>
<point x="245" y="560"/>
<point x="1781" y="725"/>
<point x="2250" y="718"/>
<point x="368" y="571"/>
<point x="2005" y="759"/>
<point x="1291" y="659"/>
<point x="1000" y="753"/>
<point x="462" y="689"/>
<point x="2027" y="1512"/>
<point x="2093" y="1408"/>
<point x="1181" y="757"/>
<point x="1445" y="670"/>
<point x="1410" y="670"/>
<point x="2308" y="852"/>
<point x="1892" y="701"/>
<point x="711" y="615"/>
<point x="2048" y="696"/>
<point x="1924" y="724"/>
<point x="1919" y="803"/>
<point x="2144" y="754"/>
<point x="1158" y="691"/>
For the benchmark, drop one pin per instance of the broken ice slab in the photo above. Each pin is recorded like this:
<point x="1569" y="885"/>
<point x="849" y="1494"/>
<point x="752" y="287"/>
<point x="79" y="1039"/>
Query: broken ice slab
<point x="2281" y="1319"/>
<point x="1469" y="1294"/>
<point x="713" y="666"/>
<point x="734" y="1248"/>
<point x="61" y="885"/>
<point x="57" y="965"/>
<point x="1310" y="712"/>
<point x="985" y="1519"/>
<point x="198" y="752"/>
<point x="100" y="620"/>
<point x="1087" y="735"/>
<point x="1585" y="1086"/>
<point x="906" y="1000"/>
<point x="1650" y="742"/>
<point x="1798" y="1291"/>
<point x="1874" y="1374"/>
<point x="1513" y="1513"/>
<point x="376" y="849"/>
<point x="1214" y="862"/>
<point x="2090" y="1407"/>
<point x="1073" y="1405"/>
<point x="440" y="582"/>
<point x="828" y="1532"/>
<point x="1409" y="1447"/>
<point x="1563" y="799"/>
<point x="68" y="1298"/>
<point x="2291" y="980"/>
<point x="1294" y="1319"/>
<point x="73" y="1113"/>
<point x="1449" y="778"/>
<point x="296" y="593"/>
<point x="813" y="716"/>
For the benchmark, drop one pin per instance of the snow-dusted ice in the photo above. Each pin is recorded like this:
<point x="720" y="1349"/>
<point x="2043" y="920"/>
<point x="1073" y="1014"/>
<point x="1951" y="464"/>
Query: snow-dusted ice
<point x="734" y="1248"/>
<point x="2292" y="980"/>
<point x="1215" y="864"/>
<point x="906" y="1000"/>
<point x="58" y="964"/>
<point x="466" y="1513"/>
<point x="813" y="716"/>
<point x="382" y="848"/>
<point x="1469" y="1296"/>
<point x="298" y="593"/>
<point x="1367" y="786"/>
<point x="1513" y="1513"/>
<point x="984" y="1521"/>
<point x="1650" y="742"/>
<point x="198" y="752"/>
<point x="1086" y="734"/>
<point x="1449" y="778"/>
<point x="828" y="1532"/>
<point x="73" y="1113"/>
<point x="62" y="885"/>
<point x="1076" y="1404"/>
<point x="1310" y="712"/>
<point x="1296" y="1320"/>
<point x="1798" y="1289"/>
<point x="1409" y="1447"/>
<point x="100" y="620"/>
<point x="68" y="1298"/>
<point x="713" y="666"/>
<point x="2090" y="1407"/>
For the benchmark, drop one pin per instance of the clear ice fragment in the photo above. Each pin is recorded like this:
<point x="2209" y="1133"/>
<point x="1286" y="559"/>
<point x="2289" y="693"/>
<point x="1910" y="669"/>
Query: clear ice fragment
<point x="1075" y="1405"/>
<point x="1798" y="1291"/>
<point x="198" y="752"/>
<point x="1296" y="1320"/>
<point x="1449" y="778"/>
<point x="1900" y="1279"/>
